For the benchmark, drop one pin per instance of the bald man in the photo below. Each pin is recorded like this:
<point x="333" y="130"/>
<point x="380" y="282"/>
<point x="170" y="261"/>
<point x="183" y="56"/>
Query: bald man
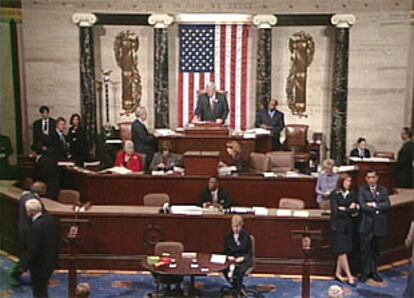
<point x="37" y="190"/>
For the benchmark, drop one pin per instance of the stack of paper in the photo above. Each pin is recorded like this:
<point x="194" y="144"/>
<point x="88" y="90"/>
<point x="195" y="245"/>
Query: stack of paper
<point x="261" y="211"/>
<point x="117" y="170"/>
<point x="300" y="213"/>
<point x="258" y="131"/>
<point x="218" y="259"/>
<point x="164" y="132"/>
<point x="226" y="171"/>
<point x="283" y="212"/>
<point x="186" y="210"/>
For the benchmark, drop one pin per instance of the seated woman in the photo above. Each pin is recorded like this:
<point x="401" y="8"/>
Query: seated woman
<point x="165" y="160"/>
<point x="129" y="159"/>
<point x="238" y="248"/>
<point x="326" y="184"/>
<point x="238" y="159"/>
<point x="343" y="208"/>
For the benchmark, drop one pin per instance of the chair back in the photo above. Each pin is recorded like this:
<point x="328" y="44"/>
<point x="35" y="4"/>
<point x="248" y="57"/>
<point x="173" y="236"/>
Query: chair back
<point x="125" y="131"/>
<point x="69" y="197"/>
<point x="384" y="154"/>
<point x="171" y="247"/>
<point x="296" y="137"/>
<point x="289" y="203"/>
<point x="251" y="268"/>
<point x="259" y="162"/>
<point x="156" y="199"/>
<point x="281" y="161"/>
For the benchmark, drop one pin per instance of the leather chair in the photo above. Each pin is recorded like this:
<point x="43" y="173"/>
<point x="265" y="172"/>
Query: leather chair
<point x="156" y="199"/>
<point x="384" y="154"/>
<point x="125" y="131"/>
<point x="69" y="197"/>
<point x="173" y="248"/>
<point x="259" y="162"/>
<point x="296" y="141"/>
<point x="289" y="203"/>
<point x="281" y="161"/>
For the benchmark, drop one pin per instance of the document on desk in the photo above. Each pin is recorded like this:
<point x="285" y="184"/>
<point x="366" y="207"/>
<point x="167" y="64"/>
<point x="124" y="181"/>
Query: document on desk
<point x="259" y="131"/>
<point x="300" y="213"/>
<point x="165" y="132"/>
<point x="218" y="259"/>
<point x="186" y="210"/>
<point x="260" y="211"/>
<point x="283" y="212"/>
<point x="65" y="163"/>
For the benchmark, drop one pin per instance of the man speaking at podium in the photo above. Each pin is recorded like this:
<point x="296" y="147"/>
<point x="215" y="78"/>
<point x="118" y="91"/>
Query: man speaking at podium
<point x="211" y="106"/>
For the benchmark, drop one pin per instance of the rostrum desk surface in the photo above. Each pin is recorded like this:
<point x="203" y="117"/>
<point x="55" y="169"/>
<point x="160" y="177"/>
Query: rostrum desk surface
<point x="113" y="189"/>
<point x="119" y="237"/>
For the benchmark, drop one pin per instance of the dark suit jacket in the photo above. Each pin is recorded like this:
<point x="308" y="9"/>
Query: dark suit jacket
<point x="277" y="122"/>
<point x="341" y="220"/>
<point x="206" y="113"/>
<point x="78" y="144"/>
<point x="241" y="163"/>
<point x="144" y="142"/>
<point x="355" y="153"/>
<point x="242" y="250"/>
<point x="38" y="129"/>
<point x="47" y="171"/>
<point x="61" y="147"/>
<point x="173" y="160"/>
<point x="404" y="166"/>
<point x="223" y="197"/>
<point x="373" y="220"/>
<point x="44" y="245"/>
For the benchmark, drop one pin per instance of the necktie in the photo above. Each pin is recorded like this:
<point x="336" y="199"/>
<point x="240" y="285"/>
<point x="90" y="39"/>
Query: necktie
<point x="45" y="128"/>
<point x="373" y="191"/>
<point x="212" y="104"/>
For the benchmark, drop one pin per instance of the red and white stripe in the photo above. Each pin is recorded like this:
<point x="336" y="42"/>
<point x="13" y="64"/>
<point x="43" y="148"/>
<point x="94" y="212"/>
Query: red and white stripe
<point x="231" y="74"/>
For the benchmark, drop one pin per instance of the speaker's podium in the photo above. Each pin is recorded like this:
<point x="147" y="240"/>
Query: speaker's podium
<point x="206" y="129"/>
<point x="201" y="163"/>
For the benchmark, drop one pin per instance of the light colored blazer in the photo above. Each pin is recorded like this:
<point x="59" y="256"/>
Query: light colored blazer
<point x="410" y="239"/>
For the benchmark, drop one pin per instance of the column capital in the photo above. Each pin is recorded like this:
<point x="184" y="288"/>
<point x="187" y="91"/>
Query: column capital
<point x="264" y="21"/>
<point x="343" y="20"/>
<point x="160" y="20"/>
<point x="84" y="19"/>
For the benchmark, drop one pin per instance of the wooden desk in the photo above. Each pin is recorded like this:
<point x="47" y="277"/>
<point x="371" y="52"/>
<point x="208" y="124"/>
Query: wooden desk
<point x="202" y="142"/>
<point x="119" y="237"/>
<point x="110" y="189"/>
<point x="384" y="169"/>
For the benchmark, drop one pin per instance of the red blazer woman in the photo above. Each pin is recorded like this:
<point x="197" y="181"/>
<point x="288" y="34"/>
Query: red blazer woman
<point x="134" y="163"/>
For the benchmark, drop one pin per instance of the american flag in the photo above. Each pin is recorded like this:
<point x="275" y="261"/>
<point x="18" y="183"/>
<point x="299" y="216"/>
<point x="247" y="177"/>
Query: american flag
<point x="216" y="53"/>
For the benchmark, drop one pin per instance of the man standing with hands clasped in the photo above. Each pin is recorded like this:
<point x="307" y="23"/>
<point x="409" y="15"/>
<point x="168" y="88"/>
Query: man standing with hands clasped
<point x="374" y="204"/>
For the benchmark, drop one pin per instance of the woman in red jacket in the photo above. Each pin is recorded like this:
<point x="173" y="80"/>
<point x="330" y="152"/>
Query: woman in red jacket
<point x="129" y="159"/>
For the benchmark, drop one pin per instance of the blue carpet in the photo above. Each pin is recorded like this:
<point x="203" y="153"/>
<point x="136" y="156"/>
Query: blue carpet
<point x="137" y="285"/>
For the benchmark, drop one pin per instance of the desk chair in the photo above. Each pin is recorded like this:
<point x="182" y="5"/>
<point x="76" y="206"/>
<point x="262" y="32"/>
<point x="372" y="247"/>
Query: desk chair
<point x="296" y="141"/>
<point x="289" y="203"/>
<point x="165" y="281"/>
<point x="281" y="161"/>
<point x="259" y="162"/>
<point x="125" y="131"/>
<point x="69" y="197"/>
<point x="156" y="200"/>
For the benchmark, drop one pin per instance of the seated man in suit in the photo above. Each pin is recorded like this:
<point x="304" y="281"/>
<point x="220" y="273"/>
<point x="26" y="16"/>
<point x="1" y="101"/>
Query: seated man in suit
<point x="165" y="160"/>
<point x="361" y="150"/>
<point x="374" y="204"/>
<point x="129" y="159"/>
<point x="211" y="106"/>
<point x="144" y="142"/>
<point x="215" y="196"/>
<point x="273" y="120"/>
<point x="59" y="141"/>
<point x="43" y="126"/>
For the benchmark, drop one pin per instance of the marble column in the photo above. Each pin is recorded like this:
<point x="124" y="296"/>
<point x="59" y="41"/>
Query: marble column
<point x="161" y="100"/>
<point x="264" y="24"/>
<point x="340" y="87"/>
<point x="85" y="21"/>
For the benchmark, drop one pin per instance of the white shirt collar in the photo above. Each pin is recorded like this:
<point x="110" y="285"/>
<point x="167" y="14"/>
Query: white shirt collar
<point x="36" y="216"/>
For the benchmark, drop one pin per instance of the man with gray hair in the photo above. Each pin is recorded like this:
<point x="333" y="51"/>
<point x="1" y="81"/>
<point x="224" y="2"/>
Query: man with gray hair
<point x="43" y="243"/>
<point x="144" y="142"/>
<point x="37" y="190"/>
<point x="211" y="106"/>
